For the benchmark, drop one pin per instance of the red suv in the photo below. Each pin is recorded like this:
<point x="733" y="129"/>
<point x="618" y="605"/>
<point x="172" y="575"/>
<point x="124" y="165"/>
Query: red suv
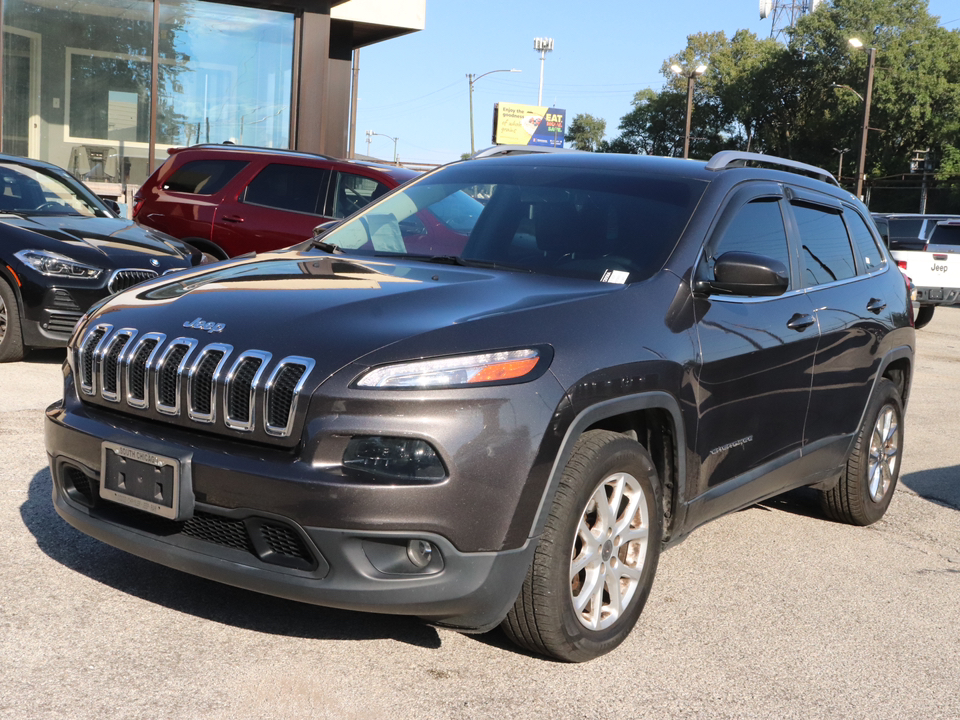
<point x="229" y="200"/>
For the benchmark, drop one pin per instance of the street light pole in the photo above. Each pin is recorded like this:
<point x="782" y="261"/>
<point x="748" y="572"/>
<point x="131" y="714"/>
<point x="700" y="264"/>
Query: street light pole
<point x="862" y="161"/>
<point x="471" y="79"/>
<point x="371" y="133"/>
<point x="542" y="46"/>
<point x="691" y="77"/>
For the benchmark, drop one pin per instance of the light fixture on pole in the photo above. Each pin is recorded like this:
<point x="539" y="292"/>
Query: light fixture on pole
<point x="472" y="79"/>
<point x="542" y="46"/>
<point x="871" y="64"/>
<point x="842" y="152"/>
<point x="371" y="133"/>
<point x="691" y="76"/>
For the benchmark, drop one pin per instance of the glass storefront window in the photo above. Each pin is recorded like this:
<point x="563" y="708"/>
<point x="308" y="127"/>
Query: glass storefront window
<point x="77" y="78"/>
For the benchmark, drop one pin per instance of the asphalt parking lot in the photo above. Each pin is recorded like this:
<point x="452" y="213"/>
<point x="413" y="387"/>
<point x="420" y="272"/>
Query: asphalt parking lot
<point x="772" y="612"/>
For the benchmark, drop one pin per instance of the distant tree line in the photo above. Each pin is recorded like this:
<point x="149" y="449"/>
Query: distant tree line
<point x="803" y="99"/>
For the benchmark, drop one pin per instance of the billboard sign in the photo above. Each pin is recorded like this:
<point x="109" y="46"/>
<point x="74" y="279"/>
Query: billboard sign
<point x="515" y="124"/>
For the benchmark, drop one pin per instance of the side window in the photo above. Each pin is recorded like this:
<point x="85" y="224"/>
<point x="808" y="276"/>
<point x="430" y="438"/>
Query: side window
<point x="863" y="240"/>
<point x="825" y="251"/>
<point x="353" y="192"/>
<point x="204" y="177"/>
<point x="288" y="187"/>
<point x="756" y="228"/>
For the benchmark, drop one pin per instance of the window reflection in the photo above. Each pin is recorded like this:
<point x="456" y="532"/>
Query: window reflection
<point x="77" y="79"/>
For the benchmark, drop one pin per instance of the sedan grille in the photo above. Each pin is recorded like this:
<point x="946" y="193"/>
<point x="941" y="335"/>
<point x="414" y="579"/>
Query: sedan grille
<point x="123" y="279"/>
<point x="146" y="372"/>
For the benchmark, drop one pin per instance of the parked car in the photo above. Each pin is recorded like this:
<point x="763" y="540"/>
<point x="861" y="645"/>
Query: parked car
<point x="62" y="249"/>
<point x="229" y="200"/>
<point x="626" y="348"/>
<point x="927" y="249"/>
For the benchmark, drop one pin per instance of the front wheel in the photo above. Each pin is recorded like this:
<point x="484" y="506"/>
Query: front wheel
<point x="11" y="336"/>
<point x="595" y="563"/>
<point x="865" y="489"/>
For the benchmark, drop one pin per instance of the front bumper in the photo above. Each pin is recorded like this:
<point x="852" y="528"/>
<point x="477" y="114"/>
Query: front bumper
<point x="273" y="547"/>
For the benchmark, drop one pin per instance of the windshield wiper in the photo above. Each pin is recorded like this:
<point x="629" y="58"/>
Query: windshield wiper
<point x="326" y="247"/>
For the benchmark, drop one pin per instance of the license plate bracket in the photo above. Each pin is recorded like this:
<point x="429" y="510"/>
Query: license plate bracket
<point x="144" y="480"/>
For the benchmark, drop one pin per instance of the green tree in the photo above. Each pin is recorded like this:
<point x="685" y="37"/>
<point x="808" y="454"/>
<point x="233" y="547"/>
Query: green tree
<point x="803" y="100"/>
<point x="586" y="132"/>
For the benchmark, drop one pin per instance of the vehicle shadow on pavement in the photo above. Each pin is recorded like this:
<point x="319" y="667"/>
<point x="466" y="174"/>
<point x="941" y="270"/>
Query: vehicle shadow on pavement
<point x="200" y="597"/>
<point x="938" y="485"/>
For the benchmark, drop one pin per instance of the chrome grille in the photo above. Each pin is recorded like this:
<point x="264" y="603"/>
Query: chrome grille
<point x="110" y="369"/>
<point x="123" y="279"/>
<point x="169" y="371"/>
<point x="138" y="364"/>
<point x="89" y="351"/>
<point x="204" y="376"/>
<point x="242" y="382"/>
<point x="148" y="373"/>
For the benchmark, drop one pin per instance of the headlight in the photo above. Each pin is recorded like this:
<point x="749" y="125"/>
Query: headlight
<point x="55" y="265"/>
<point x="453" y="371"/>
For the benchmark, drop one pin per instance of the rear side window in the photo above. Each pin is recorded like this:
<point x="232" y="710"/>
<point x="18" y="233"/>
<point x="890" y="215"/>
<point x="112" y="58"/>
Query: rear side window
<point x="824" y="246"/>
<point x="863" y="240"/>
<point x="289" y="187"/>
<point x="203" y="177"/>
<point x="354" y="192"/>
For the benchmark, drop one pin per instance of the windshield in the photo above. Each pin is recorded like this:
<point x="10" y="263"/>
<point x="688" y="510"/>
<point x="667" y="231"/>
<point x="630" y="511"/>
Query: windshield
<point x="29" y="191"/>
<point x="558" y="220"/>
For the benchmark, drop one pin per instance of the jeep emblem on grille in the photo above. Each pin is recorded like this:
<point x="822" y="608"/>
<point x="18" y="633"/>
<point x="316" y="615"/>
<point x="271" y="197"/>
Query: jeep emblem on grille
<point x="201" y="324"/>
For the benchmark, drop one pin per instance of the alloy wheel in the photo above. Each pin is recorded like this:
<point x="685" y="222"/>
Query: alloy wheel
<point x="884" y="451"/>
<point x="608" y="551"/>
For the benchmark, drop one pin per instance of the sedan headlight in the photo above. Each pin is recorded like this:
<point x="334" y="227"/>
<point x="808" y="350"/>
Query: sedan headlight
<point x="54" y="265"/>
<point x="505" y="366"/>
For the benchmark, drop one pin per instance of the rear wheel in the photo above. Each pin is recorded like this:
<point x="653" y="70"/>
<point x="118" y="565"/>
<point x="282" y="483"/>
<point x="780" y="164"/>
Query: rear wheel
<point x="866" y="487"/>
<point x="595" y="563"/>
<point x="11" y="337"/>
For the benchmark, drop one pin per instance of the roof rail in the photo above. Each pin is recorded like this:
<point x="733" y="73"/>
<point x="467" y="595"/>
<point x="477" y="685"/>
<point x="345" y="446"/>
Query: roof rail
<point x="733" y="158"/>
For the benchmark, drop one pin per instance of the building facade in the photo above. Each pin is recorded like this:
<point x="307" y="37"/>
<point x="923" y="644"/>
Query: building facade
<point x="104" y="87"/>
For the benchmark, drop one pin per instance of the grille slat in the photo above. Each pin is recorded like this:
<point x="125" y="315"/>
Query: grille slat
<point x="123" y="279"/>
<point x="122" y="363"/>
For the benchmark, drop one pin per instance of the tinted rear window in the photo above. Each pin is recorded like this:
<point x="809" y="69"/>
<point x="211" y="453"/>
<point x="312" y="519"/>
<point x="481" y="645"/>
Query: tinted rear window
<point x="825" y="246"/>
<point x="203" y="177"/>
<point x="289" y="187"/>
<point x="946" y="235"/>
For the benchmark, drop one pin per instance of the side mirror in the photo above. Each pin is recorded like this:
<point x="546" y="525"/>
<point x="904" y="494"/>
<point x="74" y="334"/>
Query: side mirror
<point x="323" y="228"/>
<point x="112" y="204"/>
<point x="744" y="273"/>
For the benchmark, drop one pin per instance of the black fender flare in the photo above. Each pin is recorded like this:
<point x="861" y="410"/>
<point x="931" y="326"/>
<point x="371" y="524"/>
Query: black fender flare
<point x="654" y="400"/>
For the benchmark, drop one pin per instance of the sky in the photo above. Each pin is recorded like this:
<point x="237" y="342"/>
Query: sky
<point x="415" y="89"/>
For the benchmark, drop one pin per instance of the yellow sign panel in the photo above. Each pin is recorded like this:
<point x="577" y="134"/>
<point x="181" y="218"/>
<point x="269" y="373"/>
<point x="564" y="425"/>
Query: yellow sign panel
<point x="516" y="124"/>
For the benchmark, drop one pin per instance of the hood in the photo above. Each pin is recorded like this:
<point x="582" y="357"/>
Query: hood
<point x="106" y="242"/>
<point x="333" y="309"/>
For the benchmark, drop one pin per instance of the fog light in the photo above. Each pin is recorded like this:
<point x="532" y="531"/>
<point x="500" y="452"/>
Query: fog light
<point x="394" y="458"/>
<point x="420" y="552"/>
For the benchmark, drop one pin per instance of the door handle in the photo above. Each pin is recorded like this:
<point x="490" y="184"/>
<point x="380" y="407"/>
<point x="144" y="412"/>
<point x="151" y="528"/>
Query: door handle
<point x="876" y="305"/>
<point x="232" y="218"/>
<point x="800" y="322"/>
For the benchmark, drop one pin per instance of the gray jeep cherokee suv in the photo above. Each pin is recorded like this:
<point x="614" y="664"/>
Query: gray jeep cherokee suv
<point x="623" y="349"/>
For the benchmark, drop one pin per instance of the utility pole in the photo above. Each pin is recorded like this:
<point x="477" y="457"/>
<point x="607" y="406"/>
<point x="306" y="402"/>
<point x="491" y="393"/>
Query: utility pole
<point x="352" y="140"/>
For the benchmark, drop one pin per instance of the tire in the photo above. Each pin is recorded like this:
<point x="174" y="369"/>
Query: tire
<point x="11" y="337"/>
<point x="924" y="316"/>
<point x="567" y="607"/>
<point x="866" y="487"/>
